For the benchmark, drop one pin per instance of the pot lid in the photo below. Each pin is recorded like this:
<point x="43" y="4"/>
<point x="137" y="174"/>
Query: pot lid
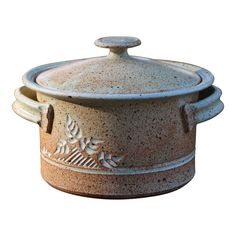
<point x="117" y="73"/>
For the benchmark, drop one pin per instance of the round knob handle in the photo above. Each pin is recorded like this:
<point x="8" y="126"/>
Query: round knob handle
<point x="118" y="44"/>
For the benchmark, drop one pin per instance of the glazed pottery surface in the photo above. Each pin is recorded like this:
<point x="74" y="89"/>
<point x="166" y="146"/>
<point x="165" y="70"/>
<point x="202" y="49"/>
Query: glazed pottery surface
<point x="118" y="126"/>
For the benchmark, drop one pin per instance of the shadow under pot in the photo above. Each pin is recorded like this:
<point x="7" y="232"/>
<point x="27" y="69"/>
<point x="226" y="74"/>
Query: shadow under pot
<point x="118" y="126"/>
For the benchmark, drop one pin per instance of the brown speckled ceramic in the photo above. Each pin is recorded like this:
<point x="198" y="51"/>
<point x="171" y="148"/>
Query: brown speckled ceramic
<point x="118" y="126"/>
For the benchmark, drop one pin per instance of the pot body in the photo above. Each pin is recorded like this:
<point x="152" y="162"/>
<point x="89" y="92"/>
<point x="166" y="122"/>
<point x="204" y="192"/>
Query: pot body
<point x="118" y="149"/>
<point x="118" y="145"/>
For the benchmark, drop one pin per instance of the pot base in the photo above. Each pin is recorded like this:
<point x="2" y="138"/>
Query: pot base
<point x="118" y="197"/>
<point x="115" y="186"/>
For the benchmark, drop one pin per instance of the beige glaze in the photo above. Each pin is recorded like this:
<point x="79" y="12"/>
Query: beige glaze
<point x="144" y="133"/>
<point x="118" y="126"/>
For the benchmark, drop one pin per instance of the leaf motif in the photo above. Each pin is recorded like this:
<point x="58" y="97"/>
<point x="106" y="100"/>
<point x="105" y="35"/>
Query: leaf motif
<point x="66" y="149"/>
<point x="90" y="145"/>
<point x="62" y="147"/>
<point x="82" y="151"/>
<point x="112" y="163"/>
<point x="46" y="153"/>
<point x="82" y="143"/>
<point x="75" y="130"/>
<point x="117" y="158"/>
<point x="72" y="130"/>
<point x="107" y="160"/>
<point x="96" y="141"/>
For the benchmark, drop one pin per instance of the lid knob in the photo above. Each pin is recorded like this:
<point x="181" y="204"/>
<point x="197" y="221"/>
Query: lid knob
<point x="118" y="44"/>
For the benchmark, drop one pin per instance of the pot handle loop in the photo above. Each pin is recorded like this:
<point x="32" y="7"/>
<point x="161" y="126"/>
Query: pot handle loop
<point x="206" y="108"/>
<point x="27" y="107"/>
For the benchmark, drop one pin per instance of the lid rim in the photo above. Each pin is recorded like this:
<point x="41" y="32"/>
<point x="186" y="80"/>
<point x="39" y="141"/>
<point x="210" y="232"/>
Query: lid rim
<point x="29" y="80"/>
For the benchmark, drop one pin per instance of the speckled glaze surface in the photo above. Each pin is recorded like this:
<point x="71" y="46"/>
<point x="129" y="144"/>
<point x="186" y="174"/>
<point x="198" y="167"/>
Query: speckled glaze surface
<point x="125" y="142"/>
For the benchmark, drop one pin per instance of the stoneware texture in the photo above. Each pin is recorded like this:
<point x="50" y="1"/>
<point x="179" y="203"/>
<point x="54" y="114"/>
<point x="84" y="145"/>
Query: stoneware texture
<point x="118" y="126"/>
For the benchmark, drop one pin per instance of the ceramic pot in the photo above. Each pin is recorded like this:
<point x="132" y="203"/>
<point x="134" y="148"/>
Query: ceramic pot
<point x="118" y="126"/>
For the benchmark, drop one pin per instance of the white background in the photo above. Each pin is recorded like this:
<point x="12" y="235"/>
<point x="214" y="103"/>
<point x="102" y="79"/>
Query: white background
<point x="37" y="32"/>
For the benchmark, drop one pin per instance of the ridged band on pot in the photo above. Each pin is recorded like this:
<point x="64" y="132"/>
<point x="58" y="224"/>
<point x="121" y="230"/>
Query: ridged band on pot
<point x="118" y="145"/>
<point x="128" y="184"/>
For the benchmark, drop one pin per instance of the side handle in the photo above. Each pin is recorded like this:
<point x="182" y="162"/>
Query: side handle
<point x="208" y="106"/>
<point x="27" y="106"/>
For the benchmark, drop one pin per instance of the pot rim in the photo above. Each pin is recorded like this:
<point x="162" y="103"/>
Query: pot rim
<point x="29" y="80"/>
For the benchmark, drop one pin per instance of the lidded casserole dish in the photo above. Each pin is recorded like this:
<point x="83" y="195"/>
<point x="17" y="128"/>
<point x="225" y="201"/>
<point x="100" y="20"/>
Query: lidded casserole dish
<point x="118" y="126"/>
